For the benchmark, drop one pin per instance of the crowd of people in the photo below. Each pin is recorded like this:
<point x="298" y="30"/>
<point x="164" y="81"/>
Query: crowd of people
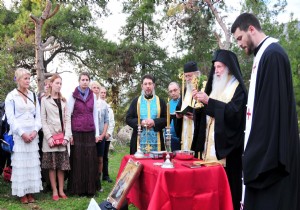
<point x="252" y="134"/>
<point x="73" y="133"/>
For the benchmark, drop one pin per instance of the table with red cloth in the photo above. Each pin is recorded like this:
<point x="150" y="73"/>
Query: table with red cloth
<point x="156" y="188"/>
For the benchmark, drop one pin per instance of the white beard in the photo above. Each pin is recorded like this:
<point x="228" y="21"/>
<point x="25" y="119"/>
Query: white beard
<point x="219" y="84"/>
<point x="189" y="87"/>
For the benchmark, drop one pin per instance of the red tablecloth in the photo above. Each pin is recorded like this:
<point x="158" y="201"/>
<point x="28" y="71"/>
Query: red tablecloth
<point x="183" y="188"/>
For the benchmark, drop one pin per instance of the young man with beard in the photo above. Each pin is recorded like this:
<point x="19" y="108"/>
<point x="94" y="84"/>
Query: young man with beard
<point x="152" y="112"/>
<point x="184" y="124"/>
<point x="223" y="114"/>
<point x="271" y="164"/>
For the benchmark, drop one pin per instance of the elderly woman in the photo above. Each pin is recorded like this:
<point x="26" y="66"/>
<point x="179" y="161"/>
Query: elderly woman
<point x="55" y="119"/>
<point x="103" y="125"/>
<point x="84" y="176"/>
<point x="23" y="114"/>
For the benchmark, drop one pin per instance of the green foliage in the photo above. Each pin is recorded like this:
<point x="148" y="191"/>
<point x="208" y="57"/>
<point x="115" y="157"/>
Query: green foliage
<point x="6" y="75"/>
<point x="195" y="38"/>
<point x="139" y="54"/>
<point x="119" y="67"/>
<point x="44" y="199"/>
<point x="291" y="44"/>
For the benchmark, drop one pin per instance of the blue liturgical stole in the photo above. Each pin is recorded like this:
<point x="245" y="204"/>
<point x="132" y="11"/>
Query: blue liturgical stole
<point x="173" y="104"/>
<point x="149" y="109"/>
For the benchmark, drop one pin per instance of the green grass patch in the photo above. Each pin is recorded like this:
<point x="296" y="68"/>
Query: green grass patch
<point x="44" y="199"/>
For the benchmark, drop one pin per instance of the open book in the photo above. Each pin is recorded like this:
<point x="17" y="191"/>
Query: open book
<point x="187" y="109"/>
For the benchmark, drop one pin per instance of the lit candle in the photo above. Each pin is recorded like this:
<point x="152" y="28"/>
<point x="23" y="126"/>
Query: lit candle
<point x="139" y="113"/>
<point x="168" y="114"/>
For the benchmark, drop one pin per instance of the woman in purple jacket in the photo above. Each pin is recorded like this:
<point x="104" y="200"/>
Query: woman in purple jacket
<point x="84" y="176"/>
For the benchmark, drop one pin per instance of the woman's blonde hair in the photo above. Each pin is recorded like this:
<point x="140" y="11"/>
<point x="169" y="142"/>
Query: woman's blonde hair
<point x="54" y="77"/>
<point x="94" y="83"/>
<point x="20" y="72"/>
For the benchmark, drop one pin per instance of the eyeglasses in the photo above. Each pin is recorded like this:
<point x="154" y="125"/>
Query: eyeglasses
<point x="174" y="90"/>
<point x="149" y="83"/>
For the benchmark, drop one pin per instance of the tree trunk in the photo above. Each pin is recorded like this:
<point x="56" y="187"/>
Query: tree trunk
<point x="41" y="47"/>
<point x="39" y="57"/>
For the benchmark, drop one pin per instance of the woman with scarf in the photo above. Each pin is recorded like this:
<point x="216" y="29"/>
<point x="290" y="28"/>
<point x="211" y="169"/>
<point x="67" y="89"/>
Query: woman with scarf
<point x="82" y="105"/>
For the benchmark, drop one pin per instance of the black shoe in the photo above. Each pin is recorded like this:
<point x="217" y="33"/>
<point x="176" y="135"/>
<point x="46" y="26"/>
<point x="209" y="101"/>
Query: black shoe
<point x="107" y="179"/>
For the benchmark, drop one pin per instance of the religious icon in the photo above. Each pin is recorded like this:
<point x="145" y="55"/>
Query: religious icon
<point x="124" y="183"/>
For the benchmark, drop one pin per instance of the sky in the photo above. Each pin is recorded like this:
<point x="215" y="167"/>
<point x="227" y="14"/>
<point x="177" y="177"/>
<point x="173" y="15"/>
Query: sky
<point x="112" y="24"/>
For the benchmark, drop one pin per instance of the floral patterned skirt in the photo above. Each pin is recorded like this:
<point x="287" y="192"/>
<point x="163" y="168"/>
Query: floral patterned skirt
<point x="56" y="160"/>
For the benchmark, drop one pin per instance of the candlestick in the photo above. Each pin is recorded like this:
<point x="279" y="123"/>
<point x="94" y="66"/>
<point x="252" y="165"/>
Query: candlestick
<point x="139" y="153"/>
<point x="168" y="163"/>
<point x="168" y="113"/>
<point x="139" y="113"/>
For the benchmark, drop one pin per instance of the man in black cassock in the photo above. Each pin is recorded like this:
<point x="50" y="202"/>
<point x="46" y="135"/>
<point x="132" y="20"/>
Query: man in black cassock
<point x="153" y="118"/>
<point x="271" y="164"/>
<point x="224" y="116"/>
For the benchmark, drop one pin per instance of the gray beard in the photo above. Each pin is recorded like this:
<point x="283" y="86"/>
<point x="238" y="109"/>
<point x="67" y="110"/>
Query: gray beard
<point x="219" y="85"/>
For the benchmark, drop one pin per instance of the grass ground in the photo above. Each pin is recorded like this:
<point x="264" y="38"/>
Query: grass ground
<point x="44" y="199"/>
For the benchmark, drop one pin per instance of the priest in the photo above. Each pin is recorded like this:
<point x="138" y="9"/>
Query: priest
<point x="184" y="124"/>
<point x="224" y="115"/>
<point x="149" y="111"/>
<point x="271" y="164"/>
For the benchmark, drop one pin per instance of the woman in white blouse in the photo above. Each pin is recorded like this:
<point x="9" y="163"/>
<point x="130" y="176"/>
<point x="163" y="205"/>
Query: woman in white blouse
<point x="23" y="115"/>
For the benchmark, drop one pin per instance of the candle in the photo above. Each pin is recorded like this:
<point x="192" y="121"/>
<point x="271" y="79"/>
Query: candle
<point x="139" y="113"/>
<point x="182" y="88"/>
<point x="168" y="114"/>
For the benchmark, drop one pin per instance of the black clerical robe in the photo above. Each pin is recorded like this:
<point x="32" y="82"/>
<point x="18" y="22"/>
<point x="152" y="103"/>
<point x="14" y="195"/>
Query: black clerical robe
<point x="132" y="121"/>
<point x="271" y="158"/>
<point x="229" y="136"/>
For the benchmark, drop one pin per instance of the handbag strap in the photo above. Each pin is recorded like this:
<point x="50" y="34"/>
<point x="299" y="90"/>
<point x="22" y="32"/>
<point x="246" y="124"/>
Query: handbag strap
<point x="58" y="103"/>
<point x="34" y="102"/>
<point x="34" y="98"/>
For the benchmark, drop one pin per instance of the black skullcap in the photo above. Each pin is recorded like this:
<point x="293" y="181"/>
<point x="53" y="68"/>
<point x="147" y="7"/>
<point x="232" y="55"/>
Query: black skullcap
<point x="190" y="66"/>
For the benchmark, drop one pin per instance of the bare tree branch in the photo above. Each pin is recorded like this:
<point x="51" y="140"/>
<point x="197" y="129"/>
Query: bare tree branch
<point x="78" y="57"/>
<point x="51" y="48"/>
<point x="54" y="11"/>
<point x="59" y="50"/>
<point x="227" y="43"/>
<point x="50" y="40"/>
<point x="35" y="19"/>
<point x="46" y="11"/>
